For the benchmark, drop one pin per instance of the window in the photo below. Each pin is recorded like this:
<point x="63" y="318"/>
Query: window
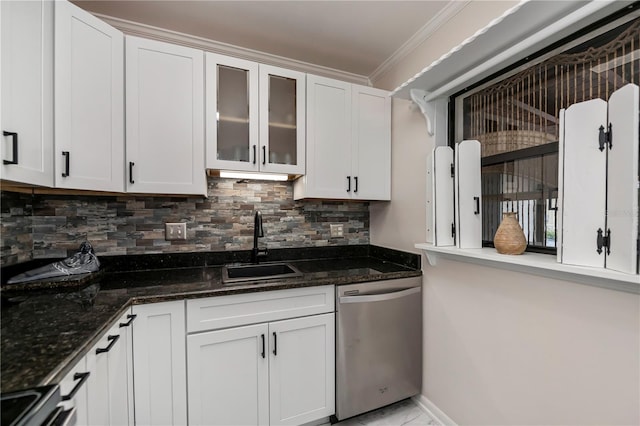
<point x="515" y="114"/>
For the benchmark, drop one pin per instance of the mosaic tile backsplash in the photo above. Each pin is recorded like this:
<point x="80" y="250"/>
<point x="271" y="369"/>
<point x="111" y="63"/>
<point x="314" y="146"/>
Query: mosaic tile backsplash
<point x="53" y="226"/>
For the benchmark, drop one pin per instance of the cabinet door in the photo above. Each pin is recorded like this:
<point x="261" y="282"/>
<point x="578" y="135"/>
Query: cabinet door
<point x="89" y="101"/>
<point x="228" y="377"/>
<point x="73" y="389"/>
<point x="328" y="140"/>
<point x="120" y="374"/>
<point x="282" y="120"/>
<point x="302" y="369"/>
<point x="371" y="143"/>
<point x="231" y="113"/>
<point x="159" y="364"/>
<point x="165" y="118"/>
<point x="26" y="114"/>
<point x="98" y="384"/>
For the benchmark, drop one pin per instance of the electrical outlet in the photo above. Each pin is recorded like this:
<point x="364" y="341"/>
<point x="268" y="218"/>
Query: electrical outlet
<point x="175" y="231"/>
<point x="337" y="230"/>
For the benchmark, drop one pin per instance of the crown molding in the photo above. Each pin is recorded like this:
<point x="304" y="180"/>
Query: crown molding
<point x="161" y="34"/>
<point x="446" y="13"/>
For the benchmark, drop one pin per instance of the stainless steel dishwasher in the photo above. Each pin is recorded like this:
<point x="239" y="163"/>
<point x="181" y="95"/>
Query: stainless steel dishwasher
<point x="378" y="344"/>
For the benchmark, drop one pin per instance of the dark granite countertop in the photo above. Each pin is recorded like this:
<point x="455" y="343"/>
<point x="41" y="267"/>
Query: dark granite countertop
<point x="44" y="334"/>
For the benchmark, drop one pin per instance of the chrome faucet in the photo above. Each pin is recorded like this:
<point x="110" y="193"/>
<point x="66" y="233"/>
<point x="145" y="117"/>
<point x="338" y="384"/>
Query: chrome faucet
<point x="258" y="232"/>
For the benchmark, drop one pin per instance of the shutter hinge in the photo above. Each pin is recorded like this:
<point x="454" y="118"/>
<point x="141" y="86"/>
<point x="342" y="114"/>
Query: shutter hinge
<point x="605" y="137"/>
<point x="604" y="241"/>
<point x="453" y="170"/>
<point x="453" y="231"/>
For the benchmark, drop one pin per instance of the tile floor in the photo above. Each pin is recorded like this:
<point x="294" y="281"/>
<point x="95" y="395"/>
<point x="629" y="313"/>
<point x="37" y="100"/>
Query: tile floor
<point x="403" y="413"/>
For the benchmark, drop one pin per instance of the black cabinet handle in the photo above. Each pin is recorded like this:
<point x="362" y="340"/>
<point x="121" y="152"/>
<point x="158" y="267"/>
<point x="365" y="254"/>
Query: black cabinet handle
<point x="348" y="183"/>
<point x="356" y="180"/>
<point x="275" y="343"/>
<point x="113" y="340"/>
<point x="78" y="376"/>
<point x="130" y="317"/>
<point x="477" y="201"/>
<point x="254" y="154"/>
<point x="66" y="156"/>
<point x="264" y="155"/>
<point x="14" y="137"/>
<point x="263" y="347"/>
<point x="131" y="164"/>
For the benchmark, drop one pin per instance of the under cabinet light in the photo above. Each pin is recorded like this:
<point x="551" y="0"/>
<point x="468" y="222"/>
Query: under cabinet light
<point x="256" y="176"/>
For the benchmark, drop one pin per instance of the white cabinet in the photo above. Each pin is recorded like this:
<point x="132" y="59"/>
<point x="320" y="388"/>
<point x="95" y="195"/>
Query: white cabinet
<point x="165" y="118"/>
<point x="98" y="383"/>
<point x="99" y="386"/>
<point x="255" y="116"/>
<point x="348" y="142"/>
<point x="89" y="101"/>
<point x="302" y="369"/>
<point x="231" y="113"/>
<point x="278" y="371"/>
<point x="121" y="373"/>
<point x="73" y="389"/>
<point x="229" y="376"/>
<point x="328" y="140"/>
<point x="159" y="364"/>
<point x="282" y="120"/>
<point x="371" y="143"/>
<point x="26" y="115"/>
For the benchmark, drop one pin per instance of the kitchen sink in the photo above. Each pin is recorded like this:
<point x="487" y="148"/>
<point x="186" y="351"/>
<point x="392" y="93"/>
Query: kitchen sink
<point x="268" y="271"/>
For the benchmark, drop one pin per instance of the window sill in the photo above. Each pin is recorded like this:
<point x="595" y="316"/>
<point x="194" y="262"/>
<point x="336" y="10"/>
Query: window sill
<point x="536" y="264"/>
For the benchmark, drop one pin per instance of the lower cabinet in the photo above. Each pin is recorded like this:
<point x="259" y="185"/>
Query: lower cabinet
<point x="265" y="358"/>
<point x="99" y="386"/>
<point x="278" y="372"/>
<point x="302" y="370"/>
<point x="159" y="364"/>
<point x="228" y="376"/>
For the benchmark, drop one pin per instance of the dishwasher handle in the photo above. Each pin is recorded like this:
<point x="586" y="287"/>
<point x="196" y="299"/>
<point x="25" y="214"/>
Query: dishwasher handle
<point x="380" y="296"/>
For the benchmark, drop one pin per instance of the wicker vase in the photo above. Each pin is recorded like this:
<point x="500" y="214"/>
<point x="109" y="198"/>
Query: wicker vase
<point x="509" y="238"/>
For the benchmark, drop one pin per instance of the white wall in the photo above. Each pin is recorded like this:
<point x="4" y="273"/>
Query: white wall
<point x="504" y="347"/>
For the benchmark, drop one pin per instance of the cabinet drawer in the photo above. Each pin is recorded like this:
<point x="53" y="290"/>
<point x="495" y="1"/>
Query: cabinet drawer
<point x="230" y="311"/>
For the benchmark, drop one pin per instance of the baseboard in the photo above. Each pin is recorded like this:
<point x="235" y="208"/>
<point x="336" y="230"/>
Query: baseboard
<point x="434" y="412"/>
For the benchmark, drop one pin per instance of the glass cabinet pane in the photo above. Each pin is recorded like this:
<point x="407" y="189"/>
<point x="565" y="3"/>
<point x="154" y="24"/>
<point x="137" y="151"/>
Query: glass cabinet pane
<point x="282" y="120"/>
<point x="233" y="114"/>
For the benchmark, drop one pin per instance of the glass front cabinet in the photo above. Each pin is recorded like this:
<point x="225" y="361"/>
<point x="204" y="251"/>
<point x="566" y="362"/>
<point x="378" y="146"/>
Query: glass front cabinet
<point x="255" y="117"/>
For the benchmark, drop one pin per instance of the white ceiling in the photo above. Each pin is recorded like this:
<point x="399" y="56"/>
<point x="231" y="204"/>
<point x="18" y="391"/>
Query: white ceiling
<point x="352" y="36"/>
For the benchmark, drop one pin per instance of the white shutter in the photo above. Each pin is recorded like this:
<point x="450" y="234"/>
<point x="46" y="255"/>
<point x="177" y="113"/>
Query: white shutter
<point x="622" y="180"/>
<point x="468" y="195"/>
<point x="443" y="196"/>
<point x="584" y="180"/>
<point x="559" y="203"/>
<point x="430" y="201"/>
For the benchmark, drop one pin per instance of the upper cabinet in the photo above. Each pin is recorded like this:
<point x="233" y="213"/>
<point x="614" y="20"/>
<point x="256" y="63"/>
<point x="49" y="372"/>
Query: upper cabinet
<point x="371" y="143"/>
<point x="89" y="101"/>
<point x="26" y="116"/>
<point x="348" y="142"/>
<point x="232" y="113"/>
<point x="255" y="116"/>
<point x="282" y="120"/>
<point x="165" y="118"/>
